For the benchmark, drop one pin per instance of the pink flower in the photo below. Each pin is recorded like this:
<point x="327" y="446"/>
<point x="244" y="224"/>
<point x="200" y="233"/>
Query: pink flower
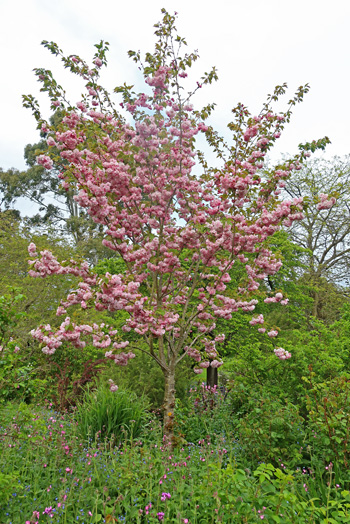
<point x="272" y="333"/>
<point x="250" y="133"/>
<point x="325" y="203"/>
<point x="45" y="161"/>
<point x="98" y="62"/>
<point x="216" y="364"/>
<point x="82" y="107"/>
<point x="257" y="320"/>
<point x="282" y="354"/>
<point x="50" y="141"/>
<point x="113" y="387"/>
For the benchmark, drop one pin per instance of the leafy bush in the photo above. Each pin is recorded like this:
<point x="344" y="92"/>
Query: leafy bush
<point x="16" y="373"/>
<point x="271" y="430"/>
<point x="207" y="413"/>
<point x="323" y="350"/>
<point x="112" y="415"/>
<point x="329" y="422"/>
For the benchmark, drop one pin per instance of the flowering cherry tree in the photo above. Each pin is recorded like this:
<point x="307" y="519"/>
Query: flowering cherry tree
<point x="178" y="224"/>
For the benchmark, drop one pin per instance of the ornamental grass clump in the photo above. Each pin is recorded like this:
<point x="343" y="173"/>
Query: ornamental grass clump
<point x="108" y="414"/>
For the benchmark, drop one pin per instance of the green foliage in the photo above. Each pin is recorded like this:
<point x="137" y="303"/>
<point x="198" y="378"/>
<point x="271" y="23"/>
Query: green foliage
<point x="112" y="415"/>
<point x="47" y="467"/>
<point x="21" y="421"/>
<point x="18" y="379"/>
<point x="9" y="315"/>
<point x="271" y="430"/>
<point x="206" y="414"/>
<point x="8" y="484"/>
<point x="68" y="371"/>
<point x="40" y="296"/>
<point x="27" y="373"/>
<point x="323" y="350"/>
<point x="328" y="418"/>
<point x="288" y="281"/>
<point x="18" y="376"/>
<point x="144" y="377"/>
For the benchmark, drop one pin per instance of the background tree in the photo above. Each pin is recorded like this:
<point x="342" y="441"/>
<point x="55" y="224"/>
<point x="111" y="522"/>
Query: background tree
<point x="40" y="297"/>
<point x="325" y="235"/>
<point x="57" y="209"/>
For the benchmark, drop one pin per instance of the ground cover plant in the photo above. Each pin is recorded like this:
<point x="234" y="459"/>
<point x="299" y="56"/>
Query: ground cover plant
<point x="49" y="473"/>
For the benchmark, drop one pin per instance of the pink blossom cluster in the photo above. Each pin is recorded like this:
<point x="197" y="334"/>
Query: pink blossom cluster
<point x="101" y="336"/>
<point x="47" y="264"/>
<point x="277" y="298"/>
<point x="45" y="161"/>
<point x="137" y="181"/>
<point x="68" y="331"/>
<point x="113" y="387"/>
<point x="250" y="133"/>
<point x="257" y="320"/>
<point x="121" y="359"/>
<point x="158" y="80"/>
<point x="282" y="354"/>
<point x="325" y="202"/>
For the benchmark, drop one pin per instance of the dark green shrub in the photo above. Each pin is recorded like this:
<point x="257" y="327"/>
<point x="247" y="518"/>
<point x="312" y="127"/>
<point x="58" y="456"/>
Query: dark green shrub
<point x="329" y="423"/>
<point x="270" y="430"/>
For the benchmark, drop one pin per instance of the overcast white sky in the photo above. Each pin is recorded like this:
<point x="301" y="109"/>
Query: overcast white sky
<point x="255" y="44"/>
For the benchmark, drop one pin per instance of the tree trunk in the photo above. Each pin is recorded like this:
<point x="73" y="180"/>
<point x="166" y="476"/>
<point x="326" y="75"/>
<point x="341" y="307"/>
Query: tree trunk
<point x="212" y="377"/>
<point x="316" y="296"/>
<point x="169" y="405"/>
